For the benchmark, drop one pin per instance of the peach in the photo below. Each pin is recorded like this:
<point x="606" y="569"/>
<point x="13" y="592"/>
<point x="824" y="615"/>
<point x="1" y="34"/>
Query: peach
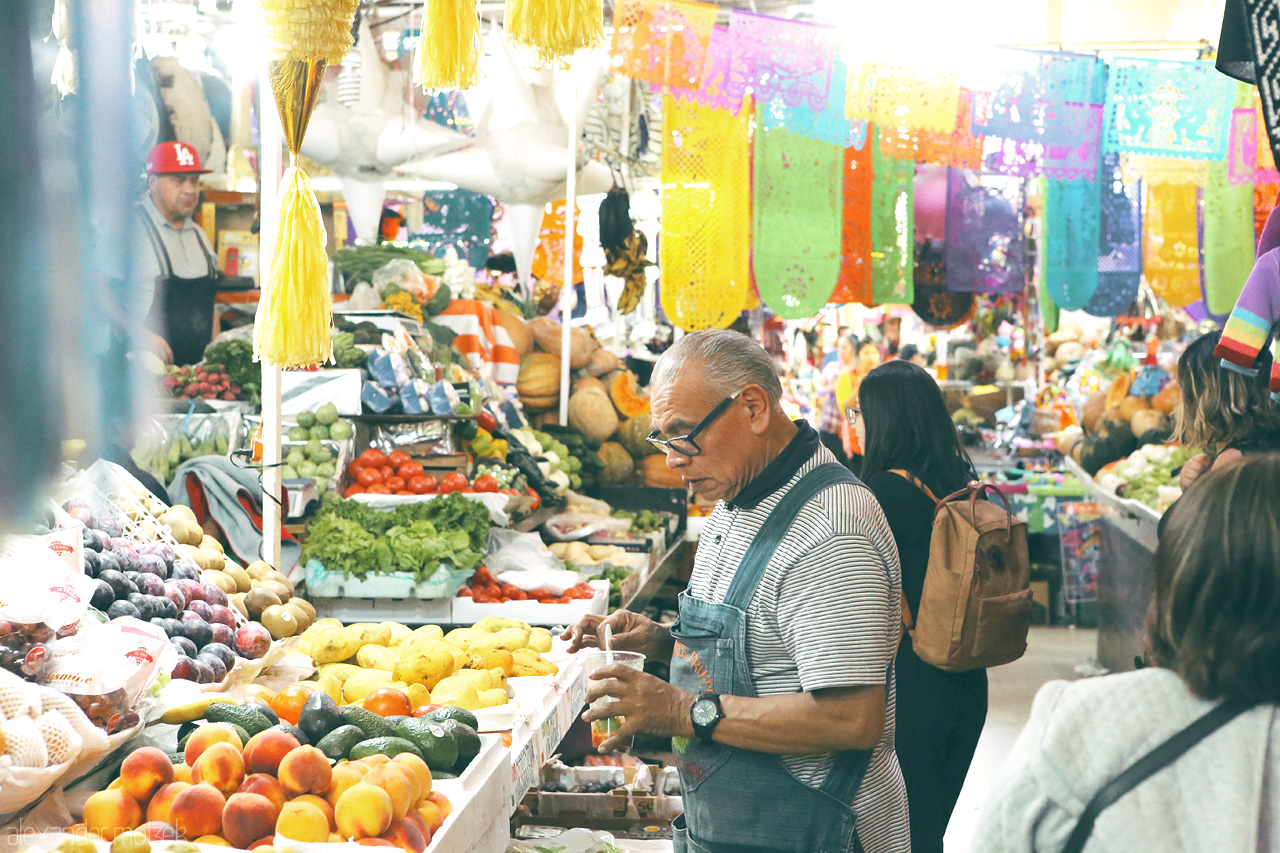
<point x="343" y="777"/>
<point x="264" y="751"/>
<point x="419" y="824"/>
<point x="363" y="811"/>
<point x="420" y="769"/>
<point x="205" y="737"/>
<point x="182" y="773"/>
<point x="399" y="783"/>
<point x="111" y="813"/>
<point x="247" y="817"/>
<point x="375" y="842"/>
<point x="301" y="821"/>
<point x="162" y="801"/>
<point x="144" y="771"/>
<point x="198" y="811"/>
<point x="264" y="785"/>
<point x="115" y="785"/>
<point x="222" y="766"/>
<point x="263" y="844"/>
<point x="446" y="807"/>
<point x="375" y="760"/>
<point x="335" y="838"/>
<point x="431" y="814"/>
<point x="320" y="803"/>
<point x="306" y="770"/>
<point x="157" y="830"/>
<point x="360" y="766"/>
<point x="215" y="840"/>
<point x="405" y="836"/>
<point x="79" y="830"/>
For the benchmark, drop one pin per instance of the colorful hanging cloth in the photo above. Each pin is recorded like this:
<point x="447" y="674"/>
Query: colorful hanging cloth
<point x="1249" y="157"/>
<point x="1171" y="252"/>
<point x="457" y="218"/>
<point x="548" y="257"/>
<point x="984" y="245"/>
<point x="958" y="148"/>
<point x="1228" y="243"/>
<point x="932" y="302"/>
<point x="1167" y="109"/>
<point x="776" y="58"/>
<point x="1070" y="231"/>
<point x="1264" y="37"/>
<point x="1120" y="250"/>
<point x="893" y="97"/>
<point x="829" y="125"/>
<point x="706" y="202"/>
<point x="892" y="227"/>
<point x="1163" y="170"/>
<point x="796" y="221"/>
<point x="1041" y="97"/>
<point x="1265" y="198"/>
<point x="662" y="42"/>
<point x="712" y="90"/>
<point x="854" y="282"/>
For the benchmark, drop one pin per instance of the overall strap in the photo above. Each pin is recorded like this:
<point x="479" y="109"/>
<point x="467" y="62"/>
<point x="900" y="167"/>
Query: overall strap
<point x="1151" y="763"/>
<point x="769" y="536"/>
<point x="157" y="242"/>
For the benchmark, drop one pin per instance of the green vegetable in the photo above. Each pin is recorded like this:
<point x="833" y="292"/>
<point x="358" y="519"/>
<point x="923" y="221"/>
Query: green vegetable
<point x="237" y="358"/>
<point x="420" y="549"/>
<point x="342" y="545"/>
<point x="360" y="263"/>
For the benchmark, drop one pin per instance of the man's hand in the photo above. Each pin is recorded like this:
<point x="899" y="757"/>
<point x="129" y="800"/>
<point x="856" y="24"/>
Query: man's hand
<point x="647" y="704"/>
<point x="631" y="633"/>
<point x="161" y="348"/>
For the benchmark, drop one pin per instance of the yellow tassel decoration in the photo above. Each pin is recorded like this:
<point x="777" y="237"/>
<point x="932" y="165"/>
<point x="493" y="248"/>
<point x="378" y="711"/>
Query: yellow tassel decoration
<point x="296" y="310"/>
<point x="555" y="29"/>
<point x="449" y="49"/>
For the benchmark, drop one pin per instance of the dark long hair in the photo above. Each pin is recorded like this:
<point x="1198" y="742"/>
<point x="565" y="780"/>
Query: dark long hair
<point x="1216" y="616"/>
<point x="908" y="428"/>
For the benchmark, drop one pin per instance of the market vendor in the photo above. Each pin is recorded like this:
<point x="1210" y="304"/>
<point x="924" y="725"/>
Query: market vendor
<point x="781" y="701"/>
<point x="175" y="268"/>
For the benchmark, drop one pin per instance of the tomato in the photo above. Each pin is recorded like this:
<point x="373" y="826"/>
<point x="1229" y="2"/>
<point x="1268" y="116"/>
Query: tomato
<point x="486" y="421"/>
<point x="405" y="492"/>
<point x="379" y="489"/>
<point x="408" y="470"/>
<point x="482" y="599"/>
<point x="354" y="469"/>
<point x="578" y="593"/>
<point x="465" y="592"/>
<point x="513" y="493"/>
<point x="482" y="577"/>
<point x="538" y="594"/>
<point x="353" y="489"/>
<point x="373" y="458"/>
<point x="394" y="483"/>
<point x="493" y="589"/>
<point x="425" y="708"/>
<point x="398" y="458"/>
<point x="520" y="595"/>
<point x="288" y="702"/>
<point x="486" y="483"/>
<point x="537" y="501"/>
<point x="509" y="590"/>
<point x="421" y="484"/>
<point x="561" y="600"/>
<point x="387" y="472"/>
<point x="452" y="482"/>
<point x="369" y="477"/>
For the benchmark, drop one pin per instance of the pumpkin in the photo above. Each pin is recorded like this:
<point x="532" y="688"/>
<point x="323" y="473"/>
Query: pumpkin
<point x="517" y="329"/>
<point x="1091" y="414"/>
<point x="547" y="334"/>
<point x="1148" y="421"/>
<point x="1131" y="406"/>
<point x="536" y="404"/>
<point x="539" y="375"/>
<point x="1167" y="400"/>
<point x="1119" y="390"/>
<point x="601" y="362"/>
<point x="634" y="435"/>
<point x="618" y="464"/>
<point x="657" y="475"/>
<point x="585" y="382"/>
<point x="591" y="413"/>
<point x="626" y="396"/>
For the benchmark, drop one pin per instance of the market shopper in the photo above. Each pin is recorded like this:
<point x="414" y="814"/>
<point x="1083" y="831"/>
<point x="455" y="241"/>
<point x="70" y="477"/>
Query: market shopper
<point x="911" y="453"/>
<point x="781" y="701"/>
<point x="1214" y="640"/>
<point x="868" y="359"/>
<point x="830" y="420"/>
<point x="175" y="268"/>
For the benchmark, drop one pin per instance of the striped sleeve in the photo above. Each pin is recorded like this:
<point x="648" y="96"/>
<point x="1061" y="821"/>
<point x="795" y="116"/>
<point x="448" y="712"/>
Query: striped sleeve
<point x="834" y="614"/>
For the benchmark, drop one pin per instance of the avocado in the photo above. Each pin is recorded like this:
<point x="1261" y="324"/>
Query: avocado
<point x="388" y="746"/>
<point x="338" y="743"/>
<point x="299" y="736"/>
<point x="443" y="774"/>
<point x="241" y="732"/>
<point x="265" y="711"/>
<point x="249" y="719"/>
<point x="185" y="730"/>
<point x="450" y="712"/>
<point x="439" y="747"/>
<point x="368" y="722"/>
<point x="320" y="715"/>
<point x="177" y="758"/>
<point x="467" y="739"/>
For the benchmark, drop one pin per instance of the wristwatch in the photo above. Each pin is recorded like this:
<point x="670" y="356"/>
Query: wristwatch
<point x="706" y="714"/>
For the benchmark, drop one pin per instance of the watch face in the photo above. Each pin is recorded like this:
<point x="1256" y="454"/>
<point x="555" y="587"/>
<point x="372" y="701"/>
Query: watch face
<point x="703" y="712"/>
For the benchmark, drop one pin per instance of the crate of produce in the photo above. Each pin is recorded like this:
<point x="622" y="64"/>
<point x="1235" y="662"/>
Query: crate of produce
<point x="466" y="611"/>
<point x="323" y="583"/>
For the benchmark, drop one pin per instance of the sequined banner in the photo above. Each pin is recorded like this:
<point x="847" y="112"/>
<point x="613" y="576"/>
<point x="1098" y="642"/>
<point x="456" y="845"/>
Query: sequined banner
<point x="1120" y="238"/>
<point x="662" y="42"/>
<point x="892" y="227"/>
<point x="796" y="221"/>
<point x="1171" y="252"/>
<point x="1167" y="109"/>
<point x="706" y="213"/>
<point x="984" y="245"/>
<point x="776" y="58"/>
<point x="893" y="97"/>
<point x="1228" y="246"/>
<point x="1042" y="98"/>
<point x="1070" y="235"/>
<point x="829" y="125"/>
<point x="712" y="90"/>
<point x="854" y="282"/>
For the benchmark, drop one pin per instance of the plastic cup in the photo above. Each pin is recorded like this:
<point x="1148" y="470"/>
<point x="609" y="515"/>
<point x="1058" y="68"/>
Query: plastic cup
<point x="603" y="729"/>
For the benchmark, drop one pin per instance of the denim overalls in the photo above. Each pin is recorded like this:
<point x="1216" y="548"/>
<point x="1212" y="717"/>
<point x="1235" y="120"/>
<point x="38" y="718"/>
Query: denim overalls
<point x="737" y="799"/>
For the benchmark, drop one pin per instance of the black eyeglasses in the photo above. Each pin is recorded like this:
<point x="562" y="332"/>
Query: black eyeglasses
<point x="851" y="414"/>
<point x="685" y="444"/>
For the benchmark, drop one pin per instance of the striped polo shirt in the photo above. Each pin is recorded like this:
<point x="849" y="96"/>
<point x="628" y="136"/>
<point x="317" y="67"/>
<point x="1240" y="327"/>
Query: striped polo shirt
<point x="825" y="615"/>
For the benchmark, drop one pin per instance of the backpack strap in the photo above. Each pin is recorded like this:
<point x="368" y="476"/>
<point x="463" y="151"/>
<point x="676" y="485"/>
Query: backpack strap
<point x="1153" y="762"/>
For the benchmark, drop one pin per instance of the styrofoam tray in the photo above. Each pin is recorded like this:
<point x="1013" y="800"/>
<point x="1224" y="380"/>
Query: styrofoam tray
<point x="466" y="611"/>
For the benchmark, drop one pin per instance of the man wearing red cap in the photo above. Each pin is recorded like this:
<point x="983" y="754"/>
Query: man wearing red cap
<point x="176" y="268"/>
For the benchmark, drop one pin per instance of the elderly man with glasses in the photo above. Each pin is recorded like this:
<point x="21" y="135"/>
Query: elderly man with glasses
<point x="780" y="705"/>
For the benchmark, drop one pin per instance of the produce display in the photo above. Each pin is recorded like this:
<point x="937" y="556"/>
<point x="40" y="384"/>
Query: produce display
<point x="1147" y="475"/>
<point x="204" y="381"/>
<point x="1135" y="411"/>
<point x="483" y="588"/>
<point x="397" y="473"/>
<point x="236" y="358"/>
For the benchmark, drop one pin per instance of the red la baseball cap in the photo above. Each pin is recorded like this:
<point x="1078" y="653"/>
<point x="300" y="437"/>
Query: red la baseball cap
<point x="174" y="157"/>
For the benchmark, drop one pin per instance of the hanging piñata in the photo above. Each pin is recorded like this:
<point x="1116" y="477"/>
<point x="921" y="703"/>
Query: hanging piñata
<point x="296" y="309"/>
<point x="554" y="29"/>
<point x="449" y="47"/>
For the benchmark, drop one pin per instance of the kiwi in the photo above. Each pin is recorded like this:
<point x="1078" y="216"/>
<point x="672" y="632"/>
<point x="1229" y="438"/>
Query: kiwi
<point x="237" y="602"/>
<point x="300" y="615"/>
<point x="244" y="583"/>
<point x="279" y="621"/>
<point x="221" y="580"/>
<point x="258" y="570"/>
<point x="282" y="592"/>
<point x="258" y="600"/>
<point x="279" y="578"/>
<point x="307" y="606"/>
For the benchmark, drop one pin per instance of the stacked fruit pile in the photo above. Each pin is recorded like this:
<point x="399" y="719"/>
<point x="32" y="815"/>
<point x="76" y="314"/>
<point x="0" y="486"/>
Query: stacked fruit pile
<point x="202" y="381"/>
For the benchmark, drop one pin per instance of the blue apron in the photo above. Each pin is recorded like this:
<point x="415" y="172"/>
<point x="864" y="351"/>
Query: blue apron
<point x="735" y="799"/>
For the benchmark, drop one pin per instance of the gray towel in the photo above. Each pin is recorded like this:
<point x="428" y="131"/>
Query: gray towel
<point x="222" y="482"/>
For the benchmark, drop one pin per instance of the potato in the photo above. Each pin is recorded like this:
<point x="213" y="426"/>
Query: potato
<point x="462" y="637"/>
<point x="529" y="662"/>
<point x="334" y="644"/>
<point x="508" y="640"/>
<point x="493" y="698"/>
<point x="340" y="671"/>
<point x="215" y="559"/>
<point x="431" y="631"/>
<point x="399" y="633"/>
<point x="195" y="555"/>
<point x="243" y="582"/>
<point x="376" y="633"/>
<point x="540" y="640"/>
<point x="360" y="685"/>
<point x="258" y="569"/>
<point x="371" y="656"/>
<point x="221" y="580"/>
<point x="210" y="544"/>
<point x="426" y="668"/>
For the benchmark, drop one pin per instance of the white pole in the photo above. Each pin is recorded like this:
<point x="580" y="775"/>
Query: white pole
<point x="570" y="228"/>
<point x="271" y="142"/>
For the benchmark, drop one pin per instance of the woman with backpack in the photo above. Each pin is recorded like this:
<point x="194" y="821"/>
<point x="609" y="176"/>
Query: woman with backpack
<point x="1184" y="754"/>
<point x="909" y="442"/>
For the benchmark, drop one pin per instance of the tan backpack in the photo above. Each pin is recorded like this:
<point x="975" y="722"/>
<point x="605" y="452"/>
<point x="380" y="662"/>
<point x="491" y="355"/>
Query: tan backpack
<point x="976" y="605"/>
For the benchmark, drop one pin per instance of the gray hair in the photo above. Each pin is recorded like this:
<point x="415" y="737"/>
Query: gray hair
<point x="729" y="360"/>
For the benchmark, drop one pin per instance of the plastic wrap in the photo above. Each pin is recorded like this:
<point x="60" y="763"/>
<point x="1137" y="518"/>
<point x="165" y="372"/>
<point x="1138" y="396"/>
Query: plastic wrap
<point x="422" y="438"/>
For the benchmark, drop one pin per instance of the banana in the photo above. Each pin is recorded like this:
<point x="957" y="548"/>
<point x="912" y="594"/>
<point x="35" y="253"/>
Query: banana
<point x="193" y="711"/>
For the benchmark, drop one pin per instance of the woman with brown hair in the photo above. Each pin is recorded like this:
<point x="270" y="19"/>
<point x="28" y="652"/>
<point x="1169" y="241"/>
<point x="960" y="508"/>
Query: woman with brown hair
<point x="1201" y="724"/>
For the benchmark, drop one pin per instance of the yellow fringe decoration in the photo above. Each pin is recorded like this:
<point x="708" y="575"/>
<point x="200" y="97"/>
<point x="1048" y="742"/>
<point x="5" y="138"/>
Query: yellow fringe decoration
<point x="296" y="311"/>
<point x="555" y="29"/>
<point x="308" y="30"/>
<point x="449" y="49"/>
